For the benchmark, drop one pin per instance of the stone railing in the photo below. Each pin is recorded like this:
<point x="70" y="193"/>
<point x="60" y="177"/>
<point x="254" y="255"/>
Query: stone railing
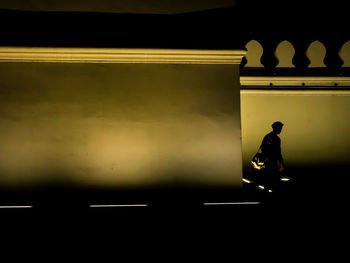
<point x="296" y="58"/>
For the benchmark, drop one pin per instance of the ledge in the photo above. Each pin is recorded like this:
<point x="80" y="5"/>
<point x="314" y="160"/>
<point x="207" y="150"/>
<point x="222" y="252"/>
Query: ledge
<point x="294" y="81"/>
<point x="111" y="55"/>
<point x="301" y="92"/>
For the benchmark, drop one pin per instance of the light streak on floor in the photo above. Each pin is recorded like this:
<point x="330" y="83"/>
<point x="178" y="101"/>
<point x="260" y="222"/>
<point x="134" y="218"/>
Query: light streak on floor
<point x="118" y="205"/>
<point x="233" y="203"/>
<point x="15" y="206"/>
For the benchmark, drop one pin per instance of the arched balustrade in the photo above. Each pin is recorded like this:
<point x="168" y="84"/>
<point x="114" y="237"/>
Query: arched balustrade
<point x="316" y="53"/>
<point x="254" y="53"/>
<point x="285" y="53"/>
<point x="297" y="57"/>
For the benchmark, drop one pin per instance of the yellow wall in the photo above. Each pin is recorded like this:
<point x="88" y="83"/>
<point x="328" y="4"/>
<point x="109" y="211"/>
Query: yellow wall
<point x="120" y="124"/>
<point x="316" y="131"/>
<point x="141" y="124"/>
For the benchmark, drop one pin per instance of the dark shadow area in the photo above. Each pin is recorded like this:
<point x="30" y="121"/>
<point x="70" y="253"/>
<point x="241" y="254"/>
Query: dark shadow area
<point x="312" y="205"/>
<point x="221" y="28"/>
<point x="319" y="188"/>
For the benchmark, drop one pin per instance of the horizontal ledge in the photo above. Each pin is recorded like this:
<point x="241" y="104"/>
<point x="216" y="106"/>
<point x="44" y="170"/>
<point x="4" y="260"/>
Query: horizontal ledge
<point x="301" y="92"/>
<point x="119" y="55"/>
<point x="294" y="81"/>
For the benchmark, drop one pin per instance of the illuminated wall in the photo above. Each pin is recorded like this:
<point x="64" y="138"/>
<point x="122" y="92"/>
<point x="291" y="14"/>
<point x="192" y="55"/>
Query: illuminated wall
<point x="120" y="125"/>
<point x="316" y="131"/>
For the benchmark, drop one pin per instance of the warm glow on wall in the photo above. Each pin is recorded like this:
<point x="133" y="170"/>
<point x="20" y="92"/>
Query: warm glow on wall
<point x="316" y="130"/>
<point x="120" y="125"/>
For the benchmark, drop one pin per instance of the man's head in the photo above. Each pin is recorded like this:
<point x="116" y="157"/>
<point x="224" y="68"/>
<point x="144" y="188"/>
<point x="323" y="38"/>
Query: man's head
<point x="277" y="127"/>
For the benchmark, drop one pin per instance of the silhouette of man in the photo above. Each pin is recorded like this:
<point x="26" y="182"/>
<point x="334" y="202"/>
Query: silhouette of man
<point x="271" y="150"/>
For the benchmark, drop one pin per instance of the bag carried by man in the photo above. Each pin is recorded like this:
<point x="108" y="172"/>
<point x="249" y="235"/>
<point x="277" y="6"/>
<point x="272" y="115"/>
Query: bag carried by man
<point x="258" y="160"/>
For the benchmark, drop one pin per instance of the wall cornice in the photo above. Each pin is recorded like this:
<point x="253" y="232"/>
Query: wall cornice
<point x="119" y="55"/>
